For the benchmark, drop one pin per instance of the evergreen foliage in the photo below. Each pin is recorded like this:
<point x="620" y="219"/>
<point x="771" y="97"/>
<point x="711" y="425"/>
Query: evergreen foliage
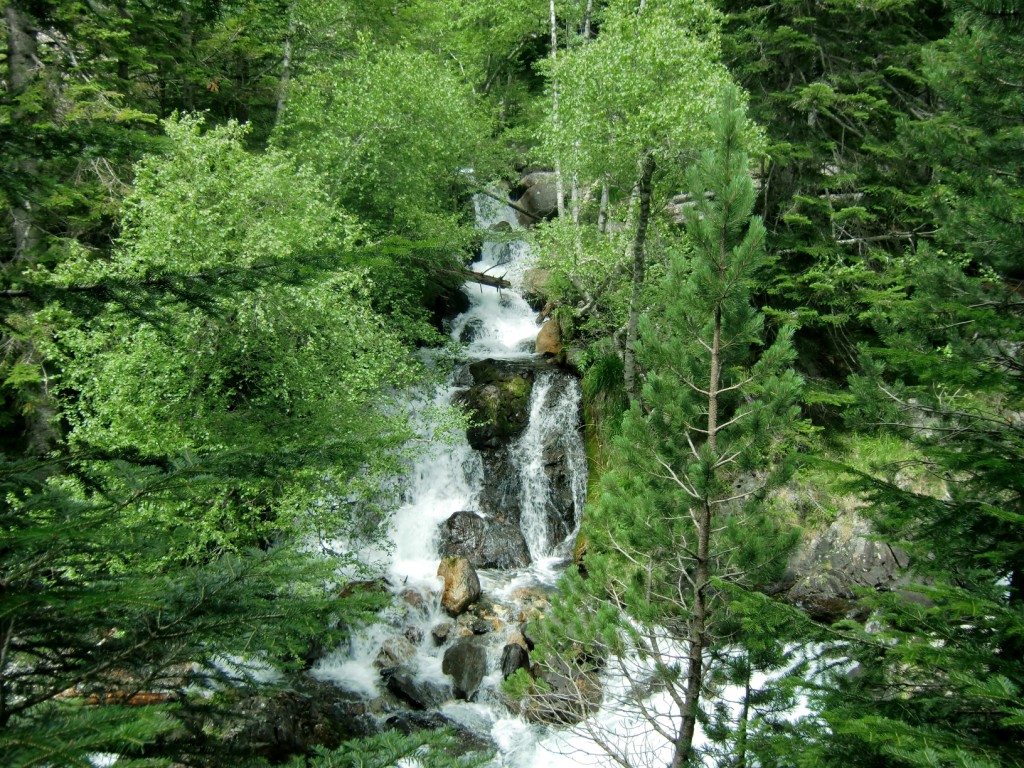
<point x="843" y="192"/>
<point x="91" y="629"/>
<point x="681" y="516"/>
<point x="976" y="140"/>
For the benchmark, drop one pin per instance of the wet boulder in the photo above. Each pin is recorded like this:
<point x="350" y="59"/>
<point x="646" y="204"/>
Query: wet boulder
<point x="417" y="692"/>
<point x="461" y="584"/>
<point x="498" y="402"/>
<point x="537" y="197"/>
<point x="441" y="632"/>
<point x="471" y="331"/>
<point x="485" y="543"/>
<point x="466" y="742"/>
<point x="513" y="658"/>
<point x="394" y="652"/>
<point x="561" y="512"/>
<point x="466" y="663"/>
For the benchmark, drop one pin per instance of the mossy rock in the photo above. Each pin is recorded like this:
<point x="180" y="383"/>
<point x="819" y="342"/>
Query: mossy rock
<point x="498" y="403"/>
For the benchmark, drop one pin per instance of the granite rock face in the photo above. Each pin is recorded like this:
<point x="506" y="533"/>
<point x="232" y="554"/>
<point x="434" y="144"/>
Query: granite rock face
<point x="826" y="573"/>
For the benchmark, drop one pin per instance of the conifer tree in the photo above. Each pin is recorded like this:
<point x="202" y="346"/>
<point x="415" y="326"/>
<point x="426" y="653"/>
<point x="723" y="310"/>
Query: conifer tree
<point x="681" y="520"/>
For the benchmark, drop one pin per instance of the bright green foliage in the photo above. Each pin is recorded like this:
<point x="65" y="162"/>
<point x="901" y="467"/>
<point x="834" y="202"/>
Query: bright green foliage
<point x="491" y="42"/>
<point x="648" y="83"/>
<point x="286" y="380"/>
<point x="681" y="516"/>
<point x="392" y="131"/>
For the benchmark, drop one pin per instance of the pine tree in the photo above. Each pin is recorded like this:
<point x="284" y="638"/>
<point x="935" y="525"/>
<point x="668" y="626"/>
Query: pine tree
<point x="682" y="518"/>
<point x="843" y="193"/>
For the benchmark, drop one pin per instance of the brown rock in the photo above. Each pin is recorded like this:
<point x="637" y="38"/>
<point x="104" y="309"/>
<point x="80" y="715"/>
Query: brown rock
<point x="461" y="584"/>
<point x="549" y="340"/>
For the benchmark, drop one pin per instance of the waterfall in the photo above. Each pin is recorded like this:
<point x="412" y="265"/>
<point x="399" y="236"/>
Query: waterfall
<point x="542" y="488"/>
<point x="551" y="433"/>
<point x="544" y="481"/>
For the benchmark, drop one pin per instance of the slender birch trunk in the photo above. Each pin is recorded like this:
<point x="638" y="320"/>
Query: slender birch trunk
<point x="559" y="189"/>
<point x="643" y="218"/>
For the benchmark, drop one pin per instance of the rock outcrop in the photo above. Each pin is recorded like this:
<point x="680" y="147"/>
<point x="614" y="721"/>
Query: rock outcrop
<point x="828" y="570"/>
<point x="461" y="584"/>
<point x="499" y="399"/>
<point x="466" y="663"/>
<point x="485" y="543"/>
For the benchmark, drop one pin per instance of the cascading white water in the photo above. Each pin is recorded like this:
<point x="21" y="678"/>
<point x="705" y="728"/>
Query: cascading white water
<point x="554" y="411"/>
<point x="449" y="475"/>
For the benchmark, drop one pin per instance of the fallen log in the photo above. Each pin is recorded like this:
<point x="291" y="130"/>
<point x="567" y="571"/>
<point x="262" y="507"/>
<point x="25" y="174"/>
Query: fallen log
<point x="469" y="276"/>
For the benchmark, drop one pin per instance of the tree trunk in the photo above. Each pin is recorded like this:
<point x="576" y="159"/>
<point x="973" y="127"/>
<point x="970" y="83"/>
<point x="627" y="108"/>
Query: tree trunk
<point x="698" y="640"/>
<point x="575" y="198"/>
<point x="643" y="218"/>
<point x="187" y="96"/>
<point x="740" y="760"/>
<point x="602" y="211"/>
<point x="23" y="67"/>
<point x="559" y="189"/>
<point x="286" y="66"/>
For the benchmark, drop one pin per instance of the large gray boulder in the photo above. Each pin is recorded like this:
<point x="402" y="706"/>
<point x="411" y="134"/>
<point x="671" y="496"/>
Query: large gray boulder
<point x="828" y="571"/>
<point x="466" y="663"/>
<point x="485" y="543"/>
<point x="461" y="584"/>
<point x="537" y="195"/>
<point x="419" y="693"/>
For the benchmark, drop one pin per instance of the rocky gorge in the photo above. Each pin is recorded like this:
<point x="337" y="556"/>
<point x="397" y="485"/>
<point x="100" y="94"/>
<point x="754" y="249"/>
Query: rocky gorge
<point x="487" y="524"/>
